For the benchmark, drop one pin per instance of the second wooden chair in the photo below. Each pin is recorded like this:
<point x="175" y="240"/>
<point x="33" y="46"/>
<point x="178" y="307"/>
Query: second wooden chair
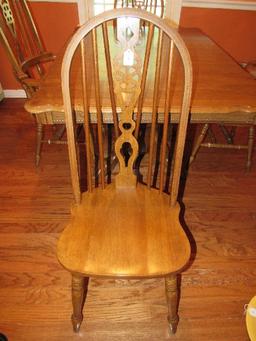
<point x="28" y="57"/>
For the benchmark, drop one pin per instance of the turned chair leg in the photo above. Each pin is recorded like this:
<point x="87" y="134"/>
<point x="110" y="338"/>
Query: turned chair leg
<point x="39" y="137"/>
<point x="171" y="290"/>
<point x="250" y="147"/>
<point x="200" y="139"/>
<point x="79" y="287"/>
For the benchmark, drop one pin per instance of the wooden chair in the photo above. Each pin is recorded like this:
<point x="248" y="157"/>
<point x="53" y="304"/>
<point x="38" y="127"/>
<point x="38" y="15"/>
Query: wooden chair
<point x="25" y="51"/>
<point x="123" y="228"/>
<point x="152" y="6"/>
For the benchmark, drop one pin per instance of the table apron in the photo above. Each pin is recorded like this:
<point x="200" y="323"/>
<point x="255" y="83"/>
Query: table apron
<point x="233" y="118"/>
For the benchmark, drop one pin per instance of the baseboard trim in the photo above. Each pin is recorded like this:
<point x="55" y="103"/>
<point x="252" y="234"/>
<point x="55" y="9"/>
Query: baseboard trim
<point x="15" y="93"/>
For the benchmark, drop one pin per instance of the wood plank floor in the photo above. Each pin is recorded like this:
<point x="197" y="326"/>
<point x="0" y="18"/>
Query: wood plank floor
<point x="220" y="212"/>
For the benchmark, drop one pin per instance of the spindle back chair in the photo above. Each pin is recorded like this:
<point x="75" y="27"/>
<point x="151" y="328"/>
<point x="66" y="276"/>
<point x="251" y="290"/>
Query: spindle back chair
<point x="25" y="50"/>
<point x="125" y="228"/>
<point x="152" y="6"/>
<point x="22" y="42"/>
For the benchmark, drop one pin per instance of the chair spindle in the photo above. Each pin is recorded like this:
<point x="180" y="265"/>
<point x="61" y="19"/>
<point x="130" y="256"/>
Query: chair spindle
<point x="98" y="107"/>
<point x="110" y="78"/>
<point x="154" y="108"/>
<point x="86" y="117"/>
<point x="144" y="78"/>
<point x="166" y="118"/>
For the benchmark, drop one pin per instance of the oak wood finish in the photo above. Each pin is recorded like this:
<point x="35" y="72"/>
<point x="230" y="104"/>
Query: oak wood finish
<point x="101" y="240"/>
<point x="250" y="67"/>
<point x="124" y="229"/>
<point x="25" y="51"/>
<point x="35" y="291"/>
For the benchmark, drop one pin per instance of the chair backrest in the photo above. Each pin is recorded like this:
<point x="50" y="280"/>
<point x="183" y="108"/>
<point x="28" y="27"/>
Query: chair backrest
<point x="132" y="80"/>
<point x="22" y="42"/>
<point x="153" y="6"/>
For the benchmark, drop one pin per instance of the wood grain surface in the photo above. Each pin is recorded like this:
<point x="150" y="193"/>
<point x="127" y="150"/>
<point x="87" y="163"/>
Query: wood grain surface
<point x="35" y="304"/>
<point x="221" y="88"/>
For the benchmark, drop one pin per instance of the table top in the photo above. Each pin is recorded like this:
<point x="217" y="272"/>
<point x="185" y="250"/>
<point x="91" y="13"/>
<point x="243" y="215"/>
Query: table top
<point x="222" y="90"/>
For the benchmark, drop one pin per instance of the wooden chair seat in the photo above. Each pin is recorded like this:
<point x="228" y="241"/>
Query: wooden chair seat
<point x="131" y="234"/>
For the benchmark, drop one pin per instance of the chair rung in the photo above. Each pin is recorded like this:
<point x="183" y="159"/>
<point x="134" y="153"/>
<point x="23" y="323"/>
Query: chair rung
<point x="227" y="146"/>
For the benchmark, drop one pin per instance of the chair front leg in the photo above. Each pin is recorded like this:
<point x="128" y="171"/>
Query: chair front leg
<point x="171" y="290"/>
<point x="79" y="286"/>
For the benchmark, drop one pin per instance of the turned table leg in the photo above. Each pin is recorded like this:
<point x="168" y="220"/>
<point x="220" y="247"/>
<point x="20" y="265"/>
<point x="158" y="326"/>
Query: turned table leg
<point x="250" y="147"/>
<point x="199" y="140"/>
<point x="171" y="290"/>
<point x="39" y="137"/>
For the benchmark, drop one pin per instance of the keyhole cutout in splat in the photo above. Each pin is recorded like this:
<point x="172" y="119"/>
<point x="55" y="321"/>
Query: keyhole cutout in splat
<point x="126" y="152"/>
<point x="127" y="126"/>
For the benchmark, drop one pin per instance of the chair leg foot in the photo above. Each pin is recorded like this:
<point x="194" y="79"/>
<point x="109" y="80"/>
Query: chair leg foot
<point x="171" y="289"/>
<point x="76" y="324"/>
<point x="78" y="296"/>
<point x="173" y="327"/>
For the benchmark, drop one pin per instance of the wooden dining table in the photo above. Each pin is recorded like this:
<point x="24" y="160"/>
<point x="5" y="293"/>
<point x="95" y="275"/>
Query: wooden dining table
<point x="223" y="92"/>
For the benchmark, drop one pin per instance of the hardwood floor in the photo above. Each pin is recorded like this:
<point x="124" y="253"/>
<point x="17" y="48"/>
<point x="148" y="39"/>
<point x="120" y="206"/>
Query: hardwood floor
<point x="35" y="303"/>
